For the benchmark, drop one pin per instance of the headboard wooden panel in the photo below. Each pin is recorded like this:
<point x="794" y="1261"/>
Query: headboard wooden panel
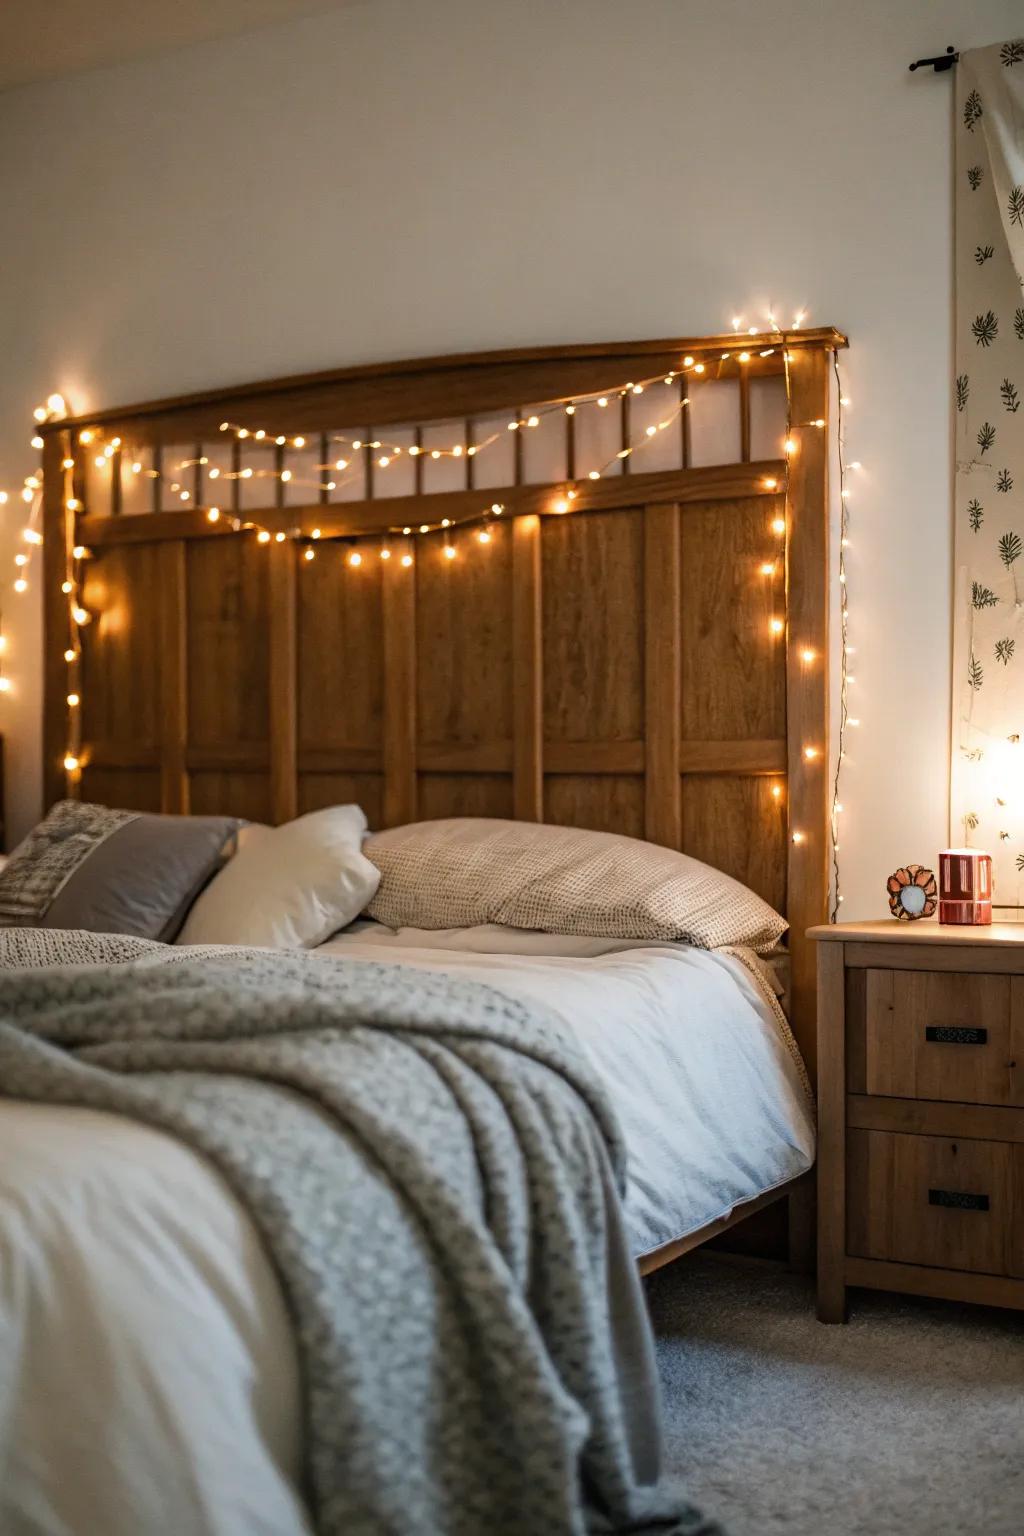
<point x="617" y="668"/>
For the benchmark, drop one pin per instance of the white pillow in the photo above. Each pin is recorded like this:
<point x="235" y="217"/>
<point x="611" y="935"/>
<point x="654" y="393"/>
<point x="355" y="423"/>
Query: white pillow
<point x="288" y="887"/>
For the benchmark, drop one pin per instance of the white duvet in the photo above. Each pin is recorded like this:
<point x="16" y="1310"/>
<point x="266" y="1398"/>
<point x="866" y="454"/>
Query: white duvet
<point x="148" y="1378"/>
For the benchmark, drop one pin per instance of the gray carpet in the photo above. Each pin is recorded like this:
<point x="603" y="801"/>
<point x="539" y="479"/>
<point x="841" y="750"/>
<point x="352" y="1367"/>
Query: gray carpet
<point x="909" y="1421"/>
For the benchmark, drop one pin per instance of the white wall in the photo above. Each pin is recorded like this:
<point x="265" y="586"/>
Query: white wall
<point x="401" y="178"/>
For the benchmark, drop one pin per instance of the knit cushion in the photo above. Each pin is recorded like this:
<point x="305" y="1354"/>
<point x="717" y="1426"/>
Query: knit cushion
<point x="456" y="873"/>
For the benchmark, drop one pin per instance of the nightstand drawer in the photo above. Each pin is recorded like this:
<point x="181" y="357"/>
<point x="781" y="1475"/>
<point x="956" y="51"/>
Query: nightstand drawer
<point x="944" y="1035"/>
<point x="929" y="1200"/>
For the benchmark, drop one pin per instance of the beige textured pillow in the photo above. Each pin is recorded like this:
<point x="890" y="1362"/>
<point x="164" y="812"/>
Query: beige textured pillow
<point x="456" y="873"/>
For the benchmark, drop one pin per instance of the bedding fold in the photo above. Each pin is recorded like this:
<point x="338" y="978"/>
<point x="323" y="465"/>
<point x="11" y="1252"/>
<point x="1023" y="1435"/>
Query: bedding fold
<point x="436" y="1175"/>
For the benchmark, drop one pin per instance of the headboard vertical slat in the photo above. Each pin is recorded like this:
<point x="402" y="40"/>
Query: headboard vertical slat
<point x="236" y="484"/>
<point x="807" y="582"/>
<point x="156" y="482"/>
<point x="470" y="458"/>
<point x="527" y="677"/>
<point x="279" y="466"/>
<point x="662" y="675"/>
<point x="282" y="639"/>
<point x="172" y="609"/>
<point x="115" y="483"/>
<point x="324" y="472"/>
<point x="399" y="730"/>
<point x="368" y="466"/>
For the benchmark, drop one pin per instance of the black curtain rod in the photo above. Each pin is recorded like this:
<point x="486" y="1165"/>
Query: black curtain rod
<point x="944" y="61"/>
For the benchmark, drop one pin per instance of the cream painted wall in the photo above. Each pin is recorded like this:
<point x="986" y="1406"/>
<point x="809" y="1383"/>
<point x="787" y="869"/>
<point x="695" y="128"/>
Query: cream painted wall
<point x="401" y="178"/>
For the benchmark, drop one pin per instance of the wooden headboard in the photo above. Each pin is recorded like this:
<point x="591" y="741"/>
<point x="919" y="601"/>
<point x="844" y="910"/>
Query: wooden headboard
<point x="653" y="663"/>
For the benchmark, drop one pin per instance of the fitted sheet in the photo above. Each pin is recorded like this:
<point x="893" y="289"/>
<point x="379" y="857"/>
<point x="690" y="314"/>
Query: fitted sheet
<point x="148" y="1374"/>
<point x="690" y="1044"/>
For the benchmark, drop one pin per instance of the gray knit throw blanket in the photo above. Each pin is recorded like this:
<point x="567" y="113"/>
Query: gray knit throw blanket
<point x="436" y="1176"/>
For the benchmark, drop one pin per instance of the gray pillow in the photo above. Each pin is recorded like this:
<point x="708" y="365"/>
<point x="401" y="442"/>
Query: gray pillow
<point x="108" y="871"/>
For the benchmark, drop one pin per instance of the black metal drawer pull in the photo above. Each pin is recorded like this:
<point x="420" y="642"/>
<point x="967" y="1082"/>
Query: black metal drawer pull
<point x="957" y="1200"/>
<point x="955" y="1034"/>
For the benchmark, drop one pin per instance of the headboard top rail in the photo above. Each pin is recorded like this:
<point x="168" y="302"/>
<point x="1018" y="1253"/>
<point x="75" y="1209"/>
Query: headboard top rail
<point x="440" y="375"/>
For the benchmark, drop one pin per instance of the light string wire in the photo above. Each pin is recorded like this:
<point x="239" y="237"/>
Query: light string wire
<point x="845" y="719"/>
<point x="79" y="617"/>
<point x="567" y="405"/>
<point x="564" y="405"/>
<point x="76" y="555"/>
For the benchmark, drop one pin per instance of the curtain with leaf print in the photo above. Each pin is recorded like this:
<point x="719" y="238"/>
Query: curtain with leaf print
<point x="987" y="779"/>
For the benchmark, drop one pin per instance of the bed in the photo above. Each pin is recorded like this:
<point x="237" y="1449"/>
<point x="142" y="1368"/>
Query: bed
<point x="639" y="648"/>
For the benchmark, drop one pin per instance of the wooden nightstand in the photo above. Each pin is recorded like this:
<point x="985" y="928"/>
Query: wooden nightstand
<point x="921" y="1111"/>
